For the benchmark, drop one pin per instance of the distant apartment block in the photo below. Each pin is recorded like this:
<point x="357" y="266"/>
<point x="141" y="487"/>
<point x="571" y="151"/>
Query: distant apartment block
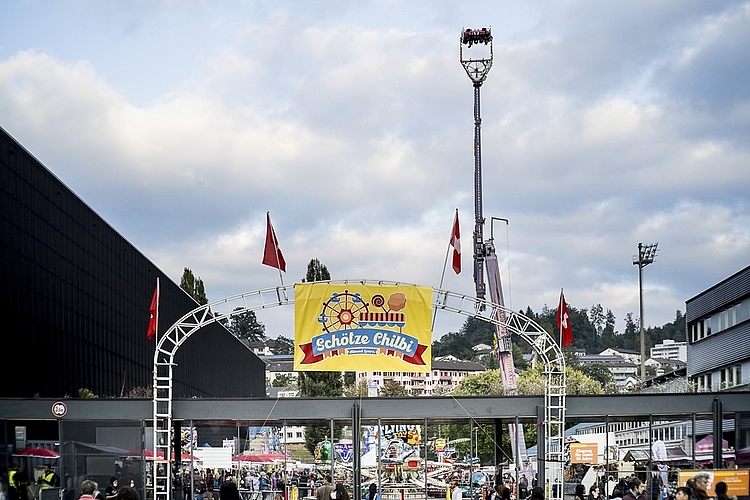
<point x="670" y="349"/>
<point x="447" y="372"/>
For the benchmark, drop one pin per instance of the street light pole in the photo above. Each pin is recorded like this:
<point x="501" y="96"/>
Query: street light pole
<point x="646" y="255"/>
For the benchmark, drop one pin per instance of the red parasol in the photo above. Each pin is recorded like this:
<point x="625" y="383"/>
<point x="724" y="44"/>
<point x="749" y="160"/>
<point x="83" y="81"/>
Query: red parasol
<point x="38" y="453"/>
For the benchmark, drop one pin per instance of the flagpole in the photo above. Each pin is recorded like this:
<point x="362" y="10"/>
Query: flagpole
<point x="442" y="277"/>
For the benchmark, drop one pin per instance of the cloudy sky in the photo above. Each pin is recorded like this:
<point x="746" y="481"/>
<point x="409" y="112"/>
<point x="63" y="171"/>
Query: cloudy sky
<point x="604" y="124"/>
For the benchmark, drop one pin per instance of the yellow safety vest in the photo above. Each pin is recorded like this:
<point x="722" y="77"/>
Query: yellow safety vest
<point x="12" y="478"/>
<point x="47" y="480"/>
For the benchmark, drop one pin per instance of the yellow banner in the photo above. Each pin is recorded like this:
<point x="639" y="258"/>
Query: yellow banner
<point x="737" y="480"/>
<point x="351" y="327"/>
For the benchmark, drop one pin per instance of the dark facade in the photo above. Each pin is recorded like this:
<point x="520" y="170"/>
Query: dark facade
<point x="75" y="296"/>
<point x="718" y="331"/>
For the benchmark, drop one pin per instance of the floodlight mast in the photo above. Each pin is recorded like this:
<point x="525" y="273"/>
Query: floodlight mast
<point x="646" y="256"/>
<point x="477" y="69"/>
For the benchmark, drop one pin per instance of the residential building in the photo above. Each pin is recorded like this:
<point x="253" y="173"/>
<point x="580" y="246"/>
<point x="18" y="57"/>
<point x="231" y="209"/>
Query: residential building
<point x="624" y="371"/>
<point x="670" y="349"/>
<point x="662" y="365"/>
<point x="445" y="376"/>
<point x="277" y="366"/>
<point x="718" y="329"/>
<point x="632" y="356"/>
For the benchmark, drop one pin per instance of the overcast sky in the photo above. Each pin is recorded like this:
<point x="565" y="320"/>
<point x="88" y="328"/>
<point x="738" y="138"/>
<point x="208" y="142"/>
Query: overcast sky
<point x="604" y="124"/>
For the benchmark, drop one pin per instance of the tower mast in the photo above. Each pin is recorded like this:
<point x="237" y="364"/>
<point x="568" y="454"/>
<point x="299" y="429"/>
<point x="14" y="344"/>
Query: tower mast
<point x="477" y="66"/>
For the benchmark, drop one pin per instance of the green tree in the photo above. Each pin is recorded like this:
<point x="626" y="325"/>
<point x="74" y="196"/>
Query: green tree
<point x="319" y="384"/>
<point x="357" y="390"/>
<point x="602" y="375"/>
<point x="193" y="286"/>
<point x="282" y="380"/>
<point x="531" y="382"/>
<point x="596" y="317"/>
<point x="487" y="383"/>
<point x="316" y="271"/>
<point x="282" y="345"/>
<point x="393" y="389"/>
<point x="245" y="325"/>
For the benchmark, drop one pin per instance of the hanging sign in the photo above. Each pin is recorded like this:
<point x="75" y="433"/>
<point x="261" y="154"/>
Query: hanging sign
<point x="345" y="327"/>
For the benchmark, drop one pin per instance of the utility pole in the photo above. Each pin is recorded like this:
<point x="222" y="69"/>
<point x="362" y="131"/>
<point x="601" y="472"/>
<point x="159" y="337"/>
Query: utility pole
<point x="646" y="255"/>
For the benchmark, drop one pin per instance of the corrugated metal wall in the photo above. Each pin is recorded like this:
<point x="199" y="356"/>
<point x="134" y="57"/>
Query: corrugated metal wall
<point x="74" y="300"/>
<point x="725" y="348"/>
<point x="719" y="296"/>
<point x="728" y="346"/>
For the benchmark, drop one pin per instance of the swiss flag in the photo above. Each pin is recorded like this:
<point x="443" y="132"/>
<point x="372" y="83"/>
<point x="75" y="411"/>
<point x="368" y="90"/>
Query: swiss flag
<point x="456" y="244"/>
<point x="272" y="253"/>
<point x="154" y="311"/>
<point x="563" y="322"/>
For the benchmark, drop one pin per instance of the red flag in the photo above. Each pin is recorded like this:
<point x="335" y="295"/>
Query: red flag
<point x="154" y="310"/>
<point x="272" y="253"/>
<point x="563" y="322"/>
<point x="456" y="244"/>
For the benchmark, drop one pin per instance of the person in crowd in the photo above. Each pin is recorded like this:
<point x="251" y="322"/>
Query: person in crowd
<point x="699" y="487"/>
<point x="721" y="491"/>
<point x="580" y="492"/>
<point x="523" y="487"/>
<point x="340" y="492"/>
<point x="209" y="495"/>
<point x="49" y="479"/>
<point x="12" y="486"/>
<point x="635" y="490"/>
<point x="128" y="493"/>
<point x="22" y="483"/>
<point x="229" y="491"/>
<point x="501" y="492"/>
<point x="324" y="491"/>
<point x="611" y="484"/>
<point x="537" y="493"/>
<point x="372" y="492"/>
<point x="594" y="493"/>
<point x="682" y="493"/>
<point x="110" y="492"/>
<point x="89" y="489"/>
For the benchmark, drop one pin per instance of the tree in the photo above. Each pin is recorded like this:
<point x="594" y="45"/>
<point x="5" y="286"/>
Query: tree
<point x="487" y="383"/>
<point x="357" y="389"/>
<point x="601" y="374"/>
<point x="282" y="380"/>
<point x="283" y="345"/>
<point x="531" y="382"/>
<point x="193" y="286"/>
<point x="393" y="389"/>
<point x="246" y="326"/>
<point x="316" y="271"/>
<point x="596" y="317"/>
<point x="319" y="384"/>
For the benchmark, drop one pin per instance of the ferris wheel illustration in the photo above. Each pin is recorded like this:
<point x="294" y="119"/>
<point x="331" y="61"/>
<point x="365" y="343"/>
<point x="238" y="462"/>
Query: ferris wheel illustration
<point x="341" y="311"/>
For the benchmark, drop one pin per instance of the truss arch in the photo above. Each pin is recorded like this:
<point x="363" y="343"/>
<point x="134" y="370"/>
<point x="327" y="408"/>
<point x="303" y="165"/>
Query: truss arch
<point x="169" y="343"/>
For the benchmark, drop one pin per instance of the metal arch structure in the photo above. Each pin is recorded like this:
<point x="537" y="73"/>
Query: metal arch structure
<point x="168" y="344"/>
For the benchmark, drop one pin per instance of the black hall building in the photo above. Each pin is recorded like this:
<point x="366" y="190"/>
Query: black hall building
<point x="75" y="297"/>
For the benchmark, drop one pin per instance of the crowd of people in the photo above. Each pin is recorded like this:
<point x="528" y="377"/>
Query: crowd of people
<point x="269" y="483"/>
<point x="632" y="488"/>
